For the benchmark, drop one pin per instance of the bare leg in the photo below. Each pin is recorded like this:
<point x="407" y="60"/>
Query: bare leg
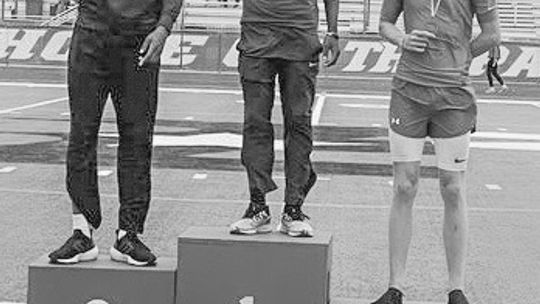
<point x="406" y="175"/>
<point x="455" y="227"/>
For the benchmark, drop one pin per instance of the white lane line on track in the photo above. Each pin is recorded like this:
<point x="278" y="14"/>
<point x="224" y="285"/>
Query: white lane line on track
<point x="508" y="136"/>
<point x="319" y="178"/>
<point x="239" y="92"/>
<point x="493" y="187"/>
<point x="33" y="105"/>
<point x="233" y="73"/>
<point x="365" y="106"/>
<point x="508" y="146"/>
<point x="8" y="169"/>
<point x="200" y="176"/>
<point x="190" y="201"/>
<point x="12" y="303"/>
<point x="317" y="109"/>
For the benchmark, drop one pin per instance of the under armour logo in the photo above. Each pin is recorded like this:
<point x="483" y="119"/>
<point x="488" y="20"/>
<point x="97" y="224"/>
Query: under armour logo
<point x="395" y="121"/>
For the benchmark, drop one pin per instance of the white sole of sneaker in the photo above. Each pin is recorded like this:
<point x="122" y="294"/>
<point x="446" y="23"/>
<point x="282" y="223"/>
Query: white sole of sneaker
<point x="90" y="255"/>
<point x="304" y="233"/>
<point x="259" y="230"/>
<point x="124" y="258"/>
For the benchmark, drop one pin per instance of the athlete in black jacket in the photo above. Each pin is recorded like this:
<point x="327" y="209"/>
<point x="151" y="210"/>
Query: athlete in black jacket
<point x="115" y="51"/>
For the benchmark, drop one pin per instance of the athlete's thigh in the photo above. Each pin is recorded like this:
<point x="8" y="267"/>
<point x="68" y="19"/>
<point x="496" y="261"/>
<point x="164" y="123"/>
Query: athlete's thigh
<point x="453" y="152"/>
<point x="257" y="76"/>
<point x="408" y="114"/>
<point x="405" y="149"/>
<point x="297" y="81"/>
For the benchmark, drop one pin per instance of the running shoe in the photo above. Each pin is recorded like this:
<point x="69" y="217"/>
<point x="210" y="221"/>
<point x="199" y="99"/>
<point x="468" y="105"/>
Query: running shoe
<point x="78" y="248"/>
<point x="491" y="90"/>
<point x="457" y="297"/>
<point x="256" y="219"/>
<point x="391" y="296"/>
<point x="131" y="250"/>
<point x="294" y="222"/>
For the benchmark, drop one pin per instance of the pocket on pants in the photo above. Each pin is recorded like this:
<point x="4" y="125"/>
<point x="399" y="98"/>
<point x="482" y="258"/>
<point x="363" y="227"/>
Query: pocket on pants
<point x="255" y="69"/>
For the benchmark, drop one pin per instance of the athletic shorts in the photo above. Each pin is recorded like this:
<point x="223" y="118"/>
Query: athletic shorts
<point x="452" y="153"/>
<point x="419" y="111"/>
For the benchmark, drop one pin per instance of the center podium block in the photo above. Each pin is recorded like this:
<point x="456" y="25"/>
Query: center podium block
<point x="101" y="282"/>
<point x="216" y="267"/>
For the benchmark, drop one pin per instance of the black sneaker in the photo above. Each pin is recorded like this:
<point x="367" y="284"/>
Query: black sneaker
<point x="391" y="296"/>
<point x="129" y="249"/>
<point x="78" y="248"/>
<point x="256" y="219"/>
<point x="295" y="223"/>
<point x="457" y="297"/>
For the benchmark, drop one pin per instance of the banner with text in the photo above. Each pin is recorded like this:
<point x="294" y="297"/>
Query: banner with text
<point x="361" y="56"/>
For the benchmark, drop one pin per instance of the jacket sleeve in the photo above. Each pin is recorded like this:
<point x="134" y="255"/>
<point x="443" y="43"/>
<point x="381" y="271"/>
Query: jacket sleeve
<point x="169" y="13"/>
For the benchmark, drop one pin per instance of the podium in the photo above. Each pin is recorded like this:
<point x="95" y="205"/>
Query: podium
<point x="216" y="267"/>
<point x="101" y="282"/>
<point x="213" y="267"/>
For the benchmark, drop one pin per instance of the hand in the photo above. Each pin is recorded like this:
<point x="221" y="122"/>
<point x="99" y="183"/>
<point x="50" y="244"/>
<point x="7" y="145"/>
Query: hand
<point x="330" y="46"/>
<point x="151" y="48"/>
<point x="416" y="41"/>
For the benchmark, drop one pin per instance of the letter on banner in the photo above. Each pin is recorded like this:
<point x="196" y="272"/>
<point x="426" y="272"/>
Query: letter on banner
<point x="231" y="59"/>
<point x="24" y="44"/>
<point x="171" y="50"/>
<point x="388" y="60"/>
<point x="57" y="48"/>
<point x="361" y="50"/>
<point x="528" y="60"/>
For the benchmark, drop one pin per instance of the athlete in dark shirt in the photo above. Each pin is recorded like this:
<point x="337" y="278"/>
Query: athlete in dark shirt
<point x="115" y="51"/>
<point x="492" y="70"/>
<point x="279" y="38"/>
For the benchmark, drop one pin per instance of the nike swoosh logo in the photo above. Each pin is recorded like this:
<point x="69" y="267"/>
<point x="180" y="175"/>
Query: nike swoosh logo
<point x="459" y="160"/>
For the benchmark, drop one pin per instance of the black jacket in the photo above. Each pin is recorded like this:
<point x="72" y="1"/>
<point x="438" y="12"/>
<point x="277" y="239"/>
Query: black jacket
<point x="128" y="16"/>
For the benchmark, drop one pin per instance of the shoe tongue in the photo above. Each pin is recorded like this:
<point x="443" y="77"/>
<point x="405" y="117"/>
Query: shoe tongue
<point x="77" y="232"/>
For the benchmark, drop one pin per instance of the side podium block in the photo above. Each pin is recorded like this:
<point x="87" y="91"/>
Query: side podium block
<point x="101" y="282"/>
<point x="216" y="267"/>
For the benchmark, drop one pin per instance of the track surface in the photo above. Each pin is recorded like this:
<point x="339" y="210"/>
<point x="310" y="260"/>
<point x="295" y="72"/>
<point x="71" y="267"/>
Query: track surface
<point x="198" y="180"/>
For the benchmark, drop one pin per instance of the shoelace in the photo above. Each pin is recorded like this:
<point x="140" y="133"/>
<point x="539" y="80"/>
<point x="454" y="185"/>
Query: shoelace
<point x="75" y="241"/>
<point x="253" y="211"/>
<point x="296" y="214"/>
<point x="136" y="241"/>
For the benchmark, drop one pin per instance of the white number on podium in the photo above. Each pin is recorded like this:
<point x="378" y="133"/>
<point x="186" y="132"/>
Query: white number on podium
<point x="97" y="301"/>
<point x="247" y="300"/>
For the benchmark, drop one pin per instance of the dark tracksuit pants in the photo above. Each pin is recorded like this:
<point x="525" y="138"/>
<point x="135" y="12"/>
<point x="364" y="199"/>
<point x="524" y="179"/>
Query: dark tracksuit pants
<point x="297" y="90"/>
<point x="103" y="64"/>
<point x="492" y="70"/>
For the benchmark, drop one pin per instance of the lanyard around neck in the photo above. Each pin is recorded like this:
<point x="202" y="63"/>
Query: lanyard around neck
<point x="435" y="7"/>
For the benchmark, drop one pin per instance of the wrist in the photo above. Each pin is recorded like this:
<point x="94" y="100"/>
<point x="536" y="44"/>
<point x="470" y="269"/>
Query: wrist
<point x="332" y="34"/>
<point x="163" y="28"/>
